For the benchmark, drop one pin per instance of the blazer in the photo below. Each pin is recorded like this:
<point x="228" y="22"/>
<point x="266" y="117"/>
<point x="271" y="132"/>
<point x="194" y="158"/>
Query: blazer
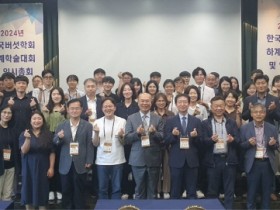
<point x="86" y="149"/>
<point x="270" y="115"/>
<point x="144" y="156"/>
<point x="208" y="143"/>
<point x="248" y="131"/>
<point x="177" y="156"/>
<point x="99" y="112"/>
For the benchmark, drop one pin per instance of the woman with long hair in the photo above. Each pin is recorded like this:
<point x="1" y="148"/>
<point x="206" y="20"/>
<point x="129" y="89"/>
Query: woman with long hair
<point x="37" y="159"/>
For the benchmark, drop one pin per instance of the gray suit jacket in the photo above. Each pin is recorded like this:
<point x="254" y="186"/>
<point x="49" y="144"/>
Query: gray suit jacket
<point x="144" y="156"/>
<point x="248" y="131"/>
<point x="86" y="149"/>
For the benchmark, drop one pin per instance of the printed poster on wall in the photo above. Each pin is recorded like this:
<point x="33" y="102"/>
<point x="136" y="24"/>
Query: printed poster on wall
<point x="21" y="39"/>
<point x="269" y="37"/>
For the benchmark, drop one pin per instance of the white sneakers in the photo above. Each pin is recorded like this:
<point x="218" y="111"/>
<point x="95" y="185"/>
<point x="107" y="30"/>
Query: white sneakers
<point x="200" y="194"/>
<point x="166" y="196"/>
<point x="51" y="196"/>
<point x="124" y="196"/>
<point x="58" y="195"/>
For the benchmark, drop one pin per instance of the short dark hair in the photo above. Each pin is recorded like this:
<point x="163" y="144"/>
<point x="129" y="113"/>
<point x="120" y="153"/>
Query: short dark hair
<point x="185" y="74"/>
<point x="36" y="76"/>
<point x="155" y="74"/>
<point x="275" y="79"/>
<point x="99" y="70"/>
<point x="256" y="71"/>
<point x="47" y="71"/>
<point x="182" y="95"/>
<point x="216" y="74"/>
<point x="168" y="81"/>
<point x="8" y="75"/>
<point x="217" y="98"/>
<point x="89" y="80"/>
<point x="197" y="70"/>
<point x="21" y="78"/>
<point x="178" y="79"/>
<point x="127" y="73"/>
<point x="188" y="89"/>
<point x="108" y="99"/>
<point x="261" y="76"/>
<point x="72" y="77"/>
<point x="137" y="81"/>
<point x="234" y="94"/>
<point x="74" y="100"/>
<point x="108" y="79"/>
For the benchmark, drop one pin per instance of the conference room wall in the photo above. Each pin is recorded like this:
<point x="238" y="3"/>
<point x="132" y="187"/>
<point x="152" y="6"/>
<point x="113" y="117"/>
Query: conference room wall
<point x="148" y="35"/>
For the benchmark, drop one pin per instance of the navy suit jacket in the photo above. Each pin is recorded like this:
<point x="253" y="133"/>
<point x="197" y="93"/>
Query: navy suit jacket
<point x="144" y="156"/>
<point x="248" y="131"/>
<point x="177" y="156"/>
<point x="86" y="149"/>
<point x="270" y="115"/>
<point x="208" y="143"/>
<point x="99" y="112"/>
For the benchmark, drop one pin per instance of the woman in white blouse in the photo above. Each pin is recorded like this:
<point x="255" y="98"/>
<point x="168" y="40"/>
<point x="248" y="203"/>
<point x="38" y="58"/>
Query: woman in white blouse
<point x="108" y="138"/>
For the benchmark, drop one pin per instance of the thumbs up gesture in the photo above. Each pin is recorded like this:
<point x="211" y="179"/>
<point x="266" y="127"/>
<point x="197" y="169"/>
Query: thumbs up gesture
<point x="11" y="101"/>
<point x="194" y="133"/>
<point x="32" y="102"/>
<point x="60" y="134"/>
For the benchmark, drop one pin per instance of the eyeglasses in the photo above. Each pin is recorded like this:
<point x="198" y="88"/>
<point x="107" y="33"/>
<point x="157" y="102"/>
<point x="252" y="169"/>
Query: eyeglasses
<point x="74" y="108"/>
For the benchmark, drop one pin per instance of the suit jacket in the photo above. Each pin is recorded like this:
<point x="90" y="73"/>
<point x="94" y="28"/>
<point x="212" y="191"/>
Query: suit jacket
<point x="144" y="156"/>
<point x="86" y="149"/>
<point x="177" y="156"/>
<point x="208" y="143"/>
<point x="99" y="112"/>
<point x="248" y="131"/>
<point x="270" y="115"/>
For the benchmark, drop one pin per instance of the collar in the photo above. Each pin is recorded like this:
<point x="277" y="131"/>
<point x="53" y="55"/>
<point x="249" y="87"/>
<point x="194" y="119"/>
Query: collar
<point x="261" y="126"/>
<point x="223" y="120"/>
<point x="181" y="116"/>
<point x="263" y="97"/>
<point x="148" y="115"/>
<point x="88" y="99"/>
<point x="48" y="89"/>
<point x="71" y="124"/>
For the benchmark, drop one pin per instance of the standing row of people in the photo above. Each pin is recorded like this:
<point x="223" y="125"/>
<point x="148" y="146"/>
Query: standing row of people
<point x="145" y="133"/>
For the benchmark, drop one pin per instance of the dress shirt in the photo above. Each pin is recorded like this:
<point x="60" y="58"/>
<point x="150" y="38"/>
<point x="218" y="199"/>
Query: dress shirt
<point x="259" y="130"/>
<point x="221" y="131"/>
<point x="74" y="129"/>
<point x="92" y="106"/>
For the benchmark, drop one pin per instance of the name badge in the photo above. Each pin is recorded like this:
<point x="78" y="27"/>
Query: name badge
<point x="184" y="143"/>
<point x="74" y="148"/>
<point x="145" y="141"/>
<point x="259" y="152"/>
<point x="107" y="147"/>
<point x="7" y="154"/>
<point x="220" y="144"/>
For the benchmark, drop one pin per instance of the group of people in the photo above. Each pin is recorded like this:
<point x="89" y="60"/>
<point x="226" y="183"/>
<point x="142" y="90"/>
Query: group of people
<point x="141" y="141"/>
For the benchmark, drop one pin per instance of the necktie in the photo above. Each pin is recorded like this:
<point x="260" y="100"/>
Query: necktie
<point x="199" y="88"/>
<point x="145" y="124"/>
<point x="184" y="124"/>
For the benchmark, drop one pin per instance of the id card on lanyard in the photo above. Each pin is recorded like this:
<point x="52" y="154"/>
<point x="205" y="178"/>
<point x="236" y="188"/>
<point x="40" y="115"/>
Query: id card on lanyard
<point x="74" y="148"/>
<point x="184" y="143"/>
<point x="108" y="144"/>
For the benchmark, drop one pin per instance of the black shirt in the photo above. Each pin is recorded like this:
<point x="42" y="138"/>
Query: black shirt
<point x="123" y="111"/>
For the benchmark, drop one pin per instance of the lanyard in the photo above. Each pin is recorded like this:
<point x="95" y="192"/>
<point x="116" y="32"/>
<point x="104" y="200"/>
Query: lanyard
<point x="111" y="130"/>
<point x="70" y="97"/>
<point x="222" y="127"/>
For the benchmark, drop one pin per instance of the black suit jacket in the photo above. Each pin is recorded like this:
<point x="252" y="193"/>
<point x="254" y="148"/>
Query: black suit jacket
<point x="177" y="156"/>
<point x="270" y="115"/>
<point x="99" y="112"/>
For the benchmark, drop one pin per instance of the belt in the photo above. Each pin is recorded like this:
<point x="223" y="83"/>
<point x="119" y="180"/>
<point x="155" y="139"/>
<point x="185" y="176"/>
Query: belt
<point x="261" y="159"/>
<point x="222" y="155"/>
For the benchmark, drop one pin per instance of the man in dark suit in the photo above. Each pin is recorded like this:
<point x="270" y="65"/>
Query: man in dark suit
<point x="76" y="157"/>
<point x="262" y="96"/>
<point x="183" y="133"/>
<point x="144" y="131"/>
<point x="259" y="139"/>
<point x="220" y="141"/>
<point x="91" y="104"/>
